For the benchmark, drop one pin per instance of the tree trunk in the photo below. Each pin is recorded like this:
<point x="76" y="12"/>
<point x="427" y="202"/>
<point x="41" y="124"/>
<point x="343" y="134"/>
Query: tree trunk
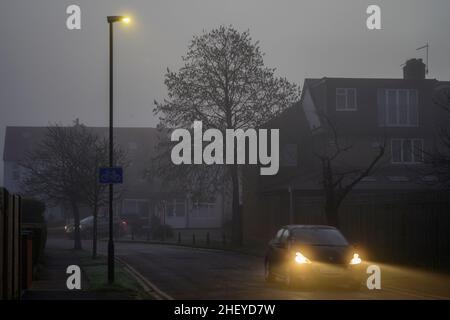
<point x="332" y="216"/>
<point x="331" y="206"/>
<point x="236" y="212"/>
<point x="94" y="233"/>
<point x="76" y="230"/>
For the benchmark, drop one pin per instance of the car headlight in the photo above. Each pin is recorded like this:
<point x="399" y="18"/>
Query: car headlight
<point x="356" y="259"/>
<point x="301" y="259"/>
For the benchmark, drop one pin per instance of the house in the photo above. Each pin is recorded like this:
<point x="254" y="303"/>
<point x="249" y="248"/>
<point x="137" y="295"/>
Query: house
<point x="394" y="210"/>
<point x="141" y="195"/>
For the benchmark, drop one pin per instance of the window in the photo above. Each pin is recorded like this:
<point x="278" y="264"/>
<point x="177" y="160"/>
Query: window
<point x="398" y="107"/>
<point x="407" y="151"/>
<point x="279" y="234"/>
<point x="203" y="210"/>
<point x="175" y="208"/>
<point x="170" y="209"/>
<point x="138" y="207"/>
<point x="319" y="236"/>
<point x="285" y="236"/>
<point x="345" y="99"/>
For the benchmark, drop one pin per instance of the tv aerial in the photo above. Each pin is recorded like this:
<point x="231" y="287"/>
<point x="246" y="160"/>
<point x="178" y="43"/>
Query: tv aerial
<point x="427" y="47"/>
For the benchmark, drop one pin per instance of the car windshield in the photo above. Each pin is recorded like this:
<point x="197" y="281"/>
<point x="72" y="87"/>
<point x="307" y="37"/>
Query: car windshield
<point x="87" y="219"/>
<point x="319" y="237"/>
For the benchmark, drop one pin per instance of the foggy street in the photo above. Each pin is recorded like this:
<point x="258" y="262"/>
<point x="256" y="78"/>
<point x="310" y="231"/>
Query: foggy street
<point x="194" y="273"/>
<point x="216" y="159"/>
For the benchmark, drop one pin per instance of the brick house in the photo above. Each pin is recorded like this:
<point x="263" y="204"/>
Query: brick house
<point x="393" y="210"/>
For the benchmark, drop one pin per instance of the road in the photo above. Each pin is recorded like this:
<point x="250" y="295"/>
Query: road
<point x="193" y="273"/>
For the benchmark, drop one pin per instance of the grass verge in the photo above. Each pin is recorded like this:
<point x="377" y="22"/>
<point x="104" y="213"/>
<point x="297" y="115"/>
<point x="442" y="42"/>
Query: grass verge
<point x="125" y="286"/>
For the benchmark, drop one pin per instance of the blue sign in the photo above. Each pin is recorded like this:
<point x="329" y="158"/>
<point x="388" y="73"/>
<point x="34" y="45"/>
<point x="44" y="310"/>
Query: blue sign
<point x="110" y="175"/>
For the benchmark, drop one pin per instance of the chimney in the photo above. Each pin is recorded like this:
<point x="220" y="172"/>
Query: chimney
<point x="414" y="69"/>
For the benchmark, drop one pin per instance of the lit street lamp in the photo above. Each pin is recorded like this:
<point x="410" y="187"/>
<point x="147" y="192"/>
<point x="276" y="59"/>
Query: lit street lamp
<point x="111" y="20"/>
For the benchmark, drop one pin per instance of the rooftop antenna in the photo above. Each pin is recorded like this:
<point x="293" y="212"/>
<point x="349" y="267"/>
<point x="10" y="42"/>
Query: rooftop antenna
<point x="427" y="46"/>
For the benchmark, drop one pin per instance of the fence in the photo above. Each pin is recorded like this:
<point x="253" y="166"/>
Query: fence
<point x="10" y="245"/>
<point x="413" y="230"/>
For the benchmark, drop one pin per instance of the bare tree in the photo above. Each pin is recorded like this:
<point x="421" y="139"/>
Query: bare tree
<point x="62" y="169"/>
<point x="94" y="193"/>
<point x="225" y="84"/>
<point x="200" y="181"/>
<point x="339" y="178"/>
<point x="438" y="159"/>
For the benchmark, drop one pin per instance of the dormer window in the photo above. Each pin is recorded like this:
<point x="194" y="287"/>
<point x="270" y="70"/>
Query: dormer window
<point x="346" y="99"/>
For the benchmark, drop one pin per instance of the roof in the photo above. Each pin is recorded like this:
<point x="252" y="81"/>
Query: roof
<point x="139" y="145"/>
<point x="20" y="140"/>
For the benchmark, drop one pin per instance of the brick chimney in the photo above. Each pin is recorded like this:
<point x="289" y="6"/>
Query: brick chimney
<point x="414" y="69"/>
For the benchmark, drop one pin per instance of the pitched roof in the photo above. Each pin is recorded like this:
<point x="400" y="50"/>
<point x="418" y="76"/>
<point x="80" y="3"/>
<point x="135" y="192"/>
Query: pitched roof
<point x="20" y="140"/>
<point x="138" y="143"/>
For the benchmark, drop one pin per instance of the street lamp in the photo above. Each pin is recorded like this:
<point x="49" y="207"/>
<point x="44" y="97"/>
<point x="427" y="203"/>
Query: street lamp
<point x="111" y="20"/>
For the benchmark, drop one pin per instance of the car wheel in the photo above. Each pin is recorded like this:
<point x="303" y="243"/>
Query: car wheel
<point x="268" y="275"/>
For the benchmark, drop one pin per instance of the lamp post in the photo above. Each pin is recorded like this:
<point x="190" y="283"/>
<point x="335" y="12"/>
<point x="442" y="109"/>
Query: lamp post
<point x="111" y="20"/>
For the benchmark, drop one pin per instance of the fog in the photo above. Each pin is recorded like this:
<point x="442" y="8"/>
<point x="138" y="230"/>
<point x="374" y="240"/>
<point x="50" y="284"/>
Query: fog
<point x="50" y="74"/>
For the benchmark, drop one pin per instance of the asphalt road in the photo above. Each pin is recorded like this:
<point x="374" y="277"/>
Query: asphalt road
<point x="191" y="273"/>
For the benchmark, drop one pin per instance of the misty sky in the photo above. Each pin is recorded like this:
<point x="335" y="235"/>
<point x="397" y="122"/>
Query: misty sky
<point x="51" y="74"/>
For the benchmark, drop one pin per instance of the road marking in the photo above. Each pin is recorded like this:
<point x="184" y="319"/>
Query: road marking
<point x="148" y="286"/>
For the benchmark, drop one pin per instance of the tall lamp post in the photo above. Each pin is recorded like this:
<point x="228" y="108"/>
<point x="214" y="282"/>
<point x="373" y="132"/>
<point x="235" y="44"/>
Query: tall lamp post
<point x="111" y="20"/>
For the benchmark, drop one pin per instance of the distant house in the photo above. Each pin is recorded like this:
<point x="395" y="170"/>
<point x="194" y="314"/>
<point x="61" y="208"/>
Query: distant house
<point x="142" y="195"/>
<point x="394" y="203"/>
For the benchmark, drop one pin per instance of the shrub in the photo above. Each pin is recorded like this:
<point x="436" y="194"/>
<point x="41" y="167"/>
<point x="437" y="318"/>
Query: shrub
<point x="159" y="230"/>
<point x="33" y="220"/>
<point x="33" y="211"/>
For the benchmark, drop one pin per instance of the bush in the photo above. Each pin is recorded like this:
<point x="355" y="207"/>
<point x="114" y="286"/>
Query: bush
<point x="159" y="230"/>
<point x="33" y="211"/>
<point x="162" y="231"/>
<point x="33" y="220"/>
<point x="39" y="240"/>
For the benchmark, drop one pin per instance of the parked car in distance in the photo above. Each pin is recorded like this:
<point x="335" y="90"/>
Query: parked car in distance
<point x="312" y="254"/>
<point x="87" y="227"/>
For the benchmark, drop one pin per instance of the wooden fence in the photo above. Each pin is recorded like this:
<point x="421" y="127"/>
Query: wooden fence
<point x="10" y="245"/>
<point x="413" y="230"/>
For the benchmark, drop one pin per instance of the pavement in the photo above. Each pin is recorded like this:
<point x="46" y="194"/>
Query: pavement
<point x="197" y="273"/>
<point x="51" y="281"/>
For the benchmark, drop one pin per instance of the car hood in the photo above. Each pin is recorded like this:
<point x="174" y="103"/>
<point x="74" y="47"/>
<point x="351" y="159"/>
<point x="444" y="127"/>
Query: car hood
<point x="326" y="254"/>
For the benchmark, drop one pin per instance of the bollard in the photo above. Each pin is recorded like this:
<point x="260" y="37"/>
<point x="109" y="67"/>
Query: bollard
<point x="179" y="237"/>
<point x="193" y="239"/>
<point x="207" y="239"/>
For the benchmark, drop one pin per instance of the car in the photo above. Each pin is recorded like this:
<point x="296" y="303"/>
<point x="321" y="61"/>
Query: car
<point x="87" y="226"/>
<point x="312" y="254"/>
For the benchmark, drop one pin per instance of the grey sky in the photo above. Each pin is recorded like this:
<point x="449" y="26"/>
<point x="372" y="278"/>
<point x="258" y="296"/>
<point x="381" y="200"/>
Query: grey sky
<point x="50" y="74"/>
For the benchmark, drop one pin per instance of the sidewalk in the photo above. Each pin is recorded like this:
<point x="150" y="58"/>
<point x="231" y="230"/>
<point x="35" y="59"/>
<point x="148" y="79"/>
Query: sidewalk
<point x="50" y="283"/>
